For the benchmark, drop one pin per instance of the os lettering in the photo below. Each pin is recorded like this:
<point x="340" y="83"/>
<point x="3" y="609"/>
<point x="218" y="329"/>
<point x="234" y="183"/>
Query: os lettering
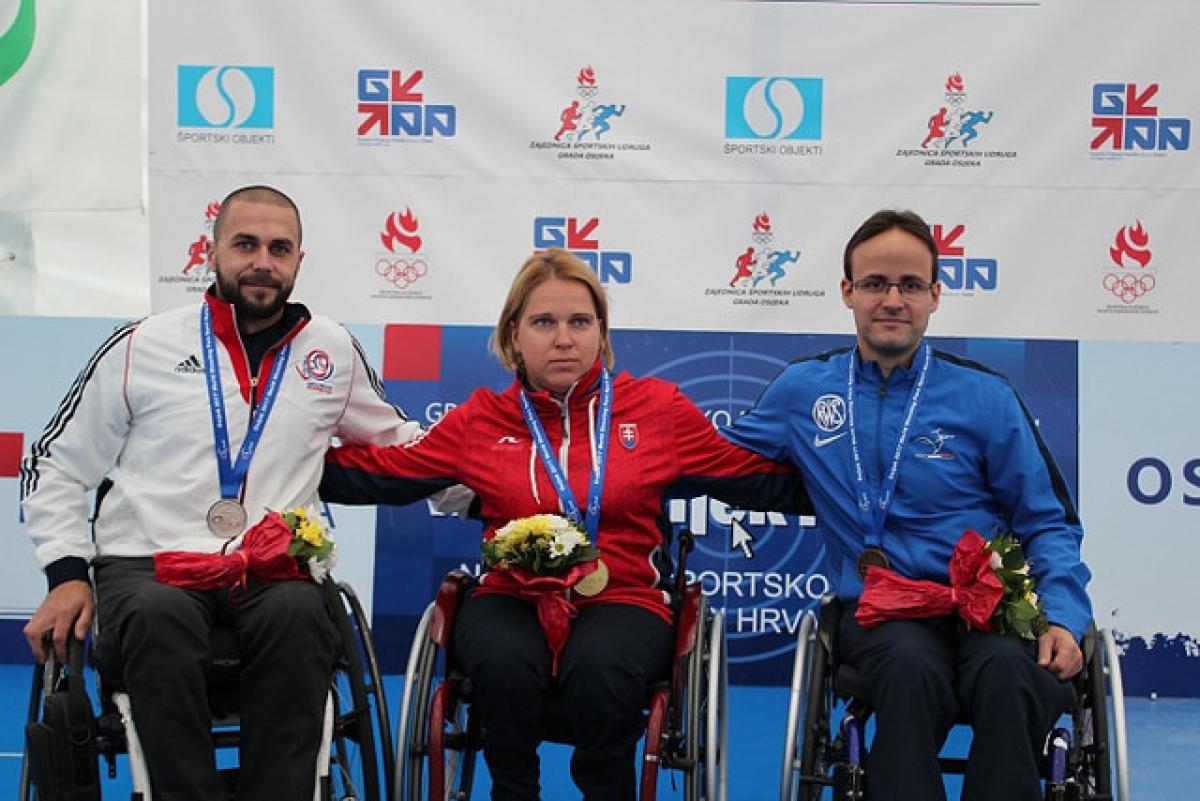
<point x="1149" y="481"/>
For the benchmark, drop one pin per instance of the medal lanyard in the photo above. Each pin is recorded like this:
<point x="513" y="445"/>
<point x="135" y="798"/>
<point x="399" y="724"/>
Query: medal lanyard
<point x="557" y="477"/>
<point x="232" y="472"/>
<point x="874" y="509"/>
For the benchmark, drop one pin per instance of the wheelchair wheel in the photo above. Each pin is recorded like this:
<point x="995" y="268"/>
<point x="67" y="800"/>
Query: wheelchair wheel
<point x="1101" y="757"/>
<point x="437" y="740"/>
<point x="707" y="704"/>
<point x="1116" y="702"/>
<point x="807" y="738"/>
<point x="361" y="749"/>
<point x="413" y="721"/>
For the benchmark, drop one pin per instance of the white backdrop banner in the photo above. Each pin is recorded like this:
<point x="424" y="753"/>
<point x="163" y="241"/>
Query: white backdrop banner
<point x="433" y="146"/>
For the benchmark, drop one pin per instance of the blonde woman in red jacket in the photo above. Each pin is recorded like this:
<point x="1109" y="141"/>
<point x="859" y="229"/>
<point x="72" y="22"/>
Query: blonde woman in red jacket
<point x="534" y="449"/>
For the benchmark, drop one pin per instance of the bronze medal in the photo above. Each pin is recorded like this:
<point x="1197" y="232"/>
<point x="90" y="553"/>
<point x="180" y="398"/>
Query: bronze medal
<point x="593" y="583"/>
<point x="226" y="518"/>
<point x="871" y="557"/>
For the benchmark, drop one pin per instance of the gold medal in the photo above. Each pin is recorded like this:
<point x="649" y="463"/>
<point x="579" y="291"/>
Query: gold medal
<point x="595" y="582"/>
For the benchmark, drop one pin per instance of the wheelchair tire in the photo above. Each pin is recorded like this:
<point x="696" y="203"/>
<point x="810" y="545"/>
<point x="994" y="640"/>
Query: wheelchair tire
<point x="705" y="698"/>
<point x="362" y="745"/>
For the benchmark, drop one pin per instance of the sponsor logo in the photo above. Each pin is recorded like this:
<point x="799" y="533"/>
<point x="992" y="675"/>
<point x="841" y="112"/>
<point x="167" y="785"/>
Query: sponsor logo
<point x="225" y="104"/>
<point x="194" y="275"/>
<point x="1126" y="122"/>
<point x="16" y="43"/>
<point x="190" y="365"/>
<point x="821" y="442"/>
<point x="402" y="262"/>
<point x="932" y="445"/>
<point x="761" y="270"/>
<point x="316" y="366"/>
<point x="960" y="273"/>
<point x="829" y="414"/>
<point x="955" y="132"/>
<point x="774" y="116"/>
<point x="578" y="235"/>
<point x="1129" y="277"/>
<point x="392" y="108"/>
<point x="586" y="125"/>
<point x="628" y="432"/>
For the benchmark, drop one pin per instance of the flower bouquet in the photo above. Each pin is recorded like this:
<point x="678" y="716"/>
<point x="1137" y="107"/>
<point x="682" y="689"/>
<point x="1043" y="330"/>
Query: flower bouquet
<point x="990" y="588"/>
<point x="1020" y="610"/>
<point x="280" y="547"/>
<point x="540" y="558"/>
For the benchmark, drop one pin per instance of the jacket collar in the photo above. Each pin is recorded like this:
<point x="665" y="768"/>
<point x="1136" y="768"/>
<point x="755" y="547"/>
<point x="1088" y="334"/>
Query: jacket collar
<point x="583" y="389"/>
<point x="224" y="320"/>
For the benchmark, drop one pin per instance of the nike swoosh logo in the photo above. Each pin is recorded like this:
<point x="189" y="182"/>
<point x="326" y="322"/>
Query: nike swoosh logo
<point x="821" y="442"/>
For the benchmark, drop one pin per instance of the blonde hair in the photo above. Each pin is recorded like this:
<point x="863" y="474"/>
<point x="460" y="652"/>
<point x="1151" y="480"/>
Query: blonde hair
<point x="537" y="270"/>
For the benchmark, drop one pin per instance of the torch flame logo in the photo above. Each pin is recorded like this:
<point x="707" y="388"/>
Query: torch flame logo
<point x="762" y="223"/>
<point x="587" y="77"/>
<point x="955" y="83"/>
<point x="401" y="228"/>
<point x="1131" y="241"/>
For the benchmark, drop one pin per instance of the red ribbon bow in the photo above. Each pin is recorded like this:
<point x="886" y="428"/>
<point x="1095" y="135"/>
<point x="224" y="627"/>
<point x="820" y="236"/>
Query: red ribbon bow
<point x="263" y="553"/>
<point x="974" y="592"/>
<point x="554" y="610"/>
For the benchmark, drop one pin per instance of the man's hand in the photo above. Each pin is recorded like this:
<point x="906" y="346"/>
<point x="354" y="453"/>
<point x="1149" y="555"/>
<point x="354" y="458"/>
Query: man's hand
<point x="70" y="604"/>
<point x="1059" y="653"/>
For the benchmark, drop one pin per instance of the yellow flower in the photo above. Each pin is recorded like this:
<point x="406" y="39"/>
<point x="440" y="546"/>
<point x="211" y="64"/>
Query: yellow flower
<point x="309" y="531"/>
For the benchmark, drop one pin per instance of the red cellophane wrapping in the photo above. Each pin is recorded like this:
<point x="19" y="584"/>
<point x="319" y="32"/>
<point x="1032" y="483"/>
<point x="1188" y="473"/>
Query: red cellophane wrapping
<point x="974" y="591"/>
<point x="263" y="554"/>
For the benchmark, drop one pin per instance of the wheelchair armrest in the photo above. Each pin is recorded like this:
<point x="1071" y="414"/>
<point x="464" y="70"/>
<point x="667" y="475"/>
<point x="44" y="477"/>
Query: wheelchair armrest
<point x="453" y="589"/>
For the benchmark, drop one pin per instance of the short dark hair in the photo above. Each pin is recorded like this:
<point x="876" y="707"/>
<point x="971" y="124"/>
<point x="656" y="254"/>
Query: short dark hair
<point x="257" y="193"/>
<point x="885" y="220"/>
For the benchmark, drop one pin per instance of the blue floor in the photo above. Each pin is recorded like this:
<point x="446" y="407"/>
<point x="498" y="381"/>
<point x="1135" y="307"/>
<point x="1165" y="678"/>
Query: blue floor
<point x="1164" y="745"/>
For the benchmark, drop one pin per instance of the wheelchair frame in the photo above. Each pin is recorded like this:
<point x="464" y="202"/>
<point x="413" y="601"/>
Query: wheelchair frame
<point x="356" y="748"/>
<point x="439" y="739"/>
<point x="1080" y="763"/>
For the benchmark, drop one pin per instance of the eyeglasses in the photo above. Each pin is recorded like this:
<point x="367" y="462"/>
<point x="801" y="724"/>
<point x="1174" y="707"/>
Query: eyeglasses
<point x="909" y="286"/>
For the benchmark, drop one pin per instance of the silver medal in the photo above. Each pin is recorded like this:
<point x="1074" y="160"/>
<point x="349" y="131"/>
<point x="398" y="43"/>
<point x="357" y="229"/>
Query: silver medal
<point x="226" y="518"/>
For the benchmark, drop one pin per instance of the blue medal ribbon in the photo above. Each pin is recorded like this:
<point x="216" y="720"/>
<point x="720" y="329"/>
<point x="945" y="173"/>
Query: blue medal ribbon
<point x="233" y="472"/>
<point x="874" y="509"/>
<point x="570" y="506"/>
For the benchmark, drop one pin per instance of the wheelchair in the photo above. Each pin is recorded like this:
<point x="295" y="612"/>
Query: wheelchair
<point x="356" y="748"/>
<point x="1086" y="762"/>
<point x="439" y="738"/>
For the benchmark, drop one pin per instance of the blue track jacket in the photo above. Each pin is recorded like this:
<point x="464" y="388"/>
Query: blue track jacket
<point x="973" y="460"/>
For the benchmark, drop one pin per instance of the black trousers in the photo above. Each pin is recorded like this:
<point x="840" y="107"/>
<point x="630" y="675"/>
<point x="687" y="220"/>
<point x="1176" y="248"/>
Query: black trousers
<point x="614" y="653"/>
<point x="923" y="674"/>
<point x="161" y="632"/>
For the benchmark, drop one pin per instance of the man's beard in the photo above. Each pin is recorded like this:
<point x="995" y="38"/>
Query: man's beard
<point x="247" y="307"/>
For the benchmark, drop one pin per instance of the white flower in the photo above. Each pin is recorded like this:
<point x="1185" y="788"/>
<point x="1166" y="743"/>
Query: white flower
<point x="566" y="540"/>
<point x="995" y="562"/>
<point x="319" y="568"/>
<point x="1033" y="598"/>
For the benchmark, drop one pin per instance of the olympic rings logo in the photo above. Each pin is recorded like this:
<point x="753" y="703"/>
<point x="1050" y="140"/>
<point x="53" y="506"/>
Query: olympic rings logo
<point x="1129" y="286"/>
<point x="401" y="273"/>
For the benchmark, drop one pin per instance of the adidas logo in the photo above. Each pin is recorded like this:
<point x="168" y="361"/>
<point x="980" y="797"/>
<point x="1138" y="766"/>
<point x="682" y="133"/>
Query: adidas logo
<point x="190" y="365"/>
